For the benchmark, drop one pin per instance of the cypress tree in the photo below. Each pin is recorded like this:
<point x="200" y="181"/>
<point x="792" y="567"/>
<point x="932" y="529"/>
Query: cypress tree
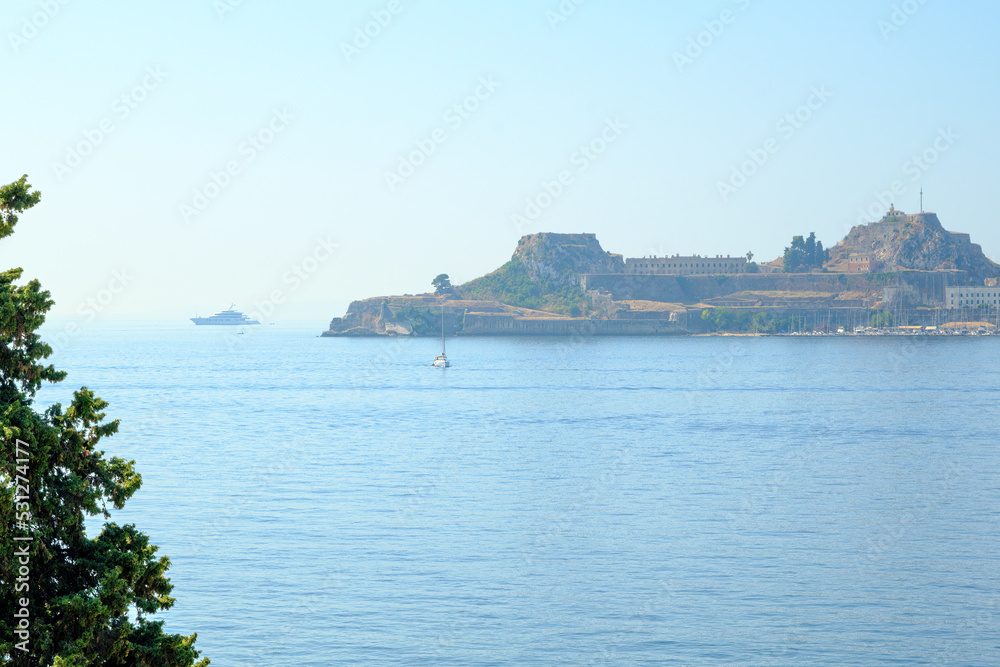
<point x="68" y="600"/>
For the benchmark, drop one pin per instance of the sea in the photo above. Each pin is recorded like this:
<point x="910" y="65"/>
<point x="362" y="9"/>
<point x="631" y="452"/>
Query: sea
<point x="559" y="501"/>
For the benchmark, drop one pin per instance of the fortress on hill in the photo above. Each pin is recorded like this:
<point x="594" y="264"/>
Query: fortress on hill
<point x="868" y="250"/>
<point x="906" y="269"/>
<point x="904" y="241"/>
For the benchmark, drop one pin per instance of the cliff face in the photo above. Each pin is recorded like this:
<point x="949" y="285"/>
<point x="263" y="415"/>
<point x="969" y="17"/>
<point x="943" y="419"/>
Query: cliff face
<point x="559" y="259"/>
<point x="919" y="242"/>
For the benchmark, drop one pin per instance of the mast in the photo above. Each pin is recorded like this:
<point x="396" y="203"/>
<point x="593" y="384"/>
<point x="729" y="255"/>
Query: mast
<point x="442" y="330"/>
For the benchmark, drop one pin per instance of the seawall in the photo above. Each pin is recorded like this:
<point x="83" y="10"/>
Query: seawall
<point x="482" y="324"/>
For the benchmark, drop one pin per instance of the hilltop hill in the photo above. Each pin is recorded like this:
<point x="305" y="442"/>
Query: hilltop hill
<point x="544" y="273"/>
<point x="918" y="242"/>
<point x="560" y="258"/>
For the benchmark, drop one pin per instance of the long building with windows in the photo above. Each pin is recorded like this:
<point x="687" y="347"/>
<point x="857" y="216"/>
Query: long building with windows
<point x="685" y="266"/>
<point x="971" y="297"/>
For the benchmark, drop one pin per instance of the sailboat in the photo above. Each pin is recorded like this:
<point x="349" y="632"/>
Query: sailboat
<point x="441" y="361"/>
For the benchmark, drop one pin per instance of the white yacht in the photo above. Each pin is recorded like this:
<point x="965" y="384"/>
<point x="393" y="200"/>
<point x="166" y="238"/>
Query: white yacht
<point x="227" y="317"/>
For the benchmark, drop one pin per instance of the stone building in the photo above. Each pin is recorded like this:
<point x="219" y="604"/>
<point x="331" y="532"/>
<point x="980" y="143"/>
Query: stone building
<point x="861" y="263"/>
<point x="679" y="265"/>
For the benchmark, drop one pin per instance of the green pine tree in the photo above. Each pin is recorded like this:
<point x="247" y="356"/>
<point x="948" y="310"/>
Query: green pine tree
<point x="85" y="601"/>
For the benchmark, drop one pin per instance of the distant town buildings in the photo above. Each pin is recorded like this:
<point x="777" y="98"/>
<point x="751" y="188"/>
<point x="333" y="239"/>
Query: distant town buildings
<point x="971" y="297"/>
<point x="679" y="265"/>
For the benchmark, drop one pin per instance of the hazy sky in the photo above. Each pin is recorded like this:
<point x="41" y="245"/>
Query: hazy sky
<point x="199" y="152"/>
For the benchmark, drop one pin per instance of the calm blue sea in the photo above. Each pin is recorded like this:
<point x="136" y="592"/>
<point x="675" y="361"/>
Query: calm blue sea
<point x="688" y="501"/>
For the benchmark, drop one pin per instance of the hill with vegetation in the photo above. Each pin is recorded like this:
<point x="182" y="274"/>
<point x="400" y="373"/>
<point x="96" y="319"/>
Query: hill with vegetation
<point x="916" y="242"/>
<point x="543" y="274"/>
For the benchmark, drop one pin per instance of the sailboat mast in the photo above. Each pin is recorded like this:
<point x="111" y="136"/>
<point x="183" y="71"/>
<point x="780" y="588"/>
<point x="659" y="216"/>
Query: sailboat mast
<point x="442" y="329"/>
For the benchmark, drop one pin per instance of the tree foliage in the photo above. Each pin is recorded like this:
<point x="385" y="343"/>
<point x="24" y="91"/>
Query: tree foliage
<point x="87" y="600"/>
<point x="882" y="318"/>
<point x="15" y="198"/>
<point x="805" y="254"/>
<point x="442" y="283"/>
<point x="727" y="319"/>
<point x="744" y="321"/>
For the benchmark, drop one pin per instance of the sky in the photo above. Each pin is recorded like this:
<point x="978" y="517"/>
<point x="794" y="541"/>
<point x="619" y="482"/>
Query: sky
<point x="292" y="157"/>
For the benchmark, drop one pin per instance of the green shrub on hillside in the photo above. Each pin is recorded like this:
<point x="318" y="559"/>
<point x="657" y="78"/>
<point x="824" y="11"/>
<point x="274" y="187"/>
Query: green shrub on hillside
<point x="510" y="284"/>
